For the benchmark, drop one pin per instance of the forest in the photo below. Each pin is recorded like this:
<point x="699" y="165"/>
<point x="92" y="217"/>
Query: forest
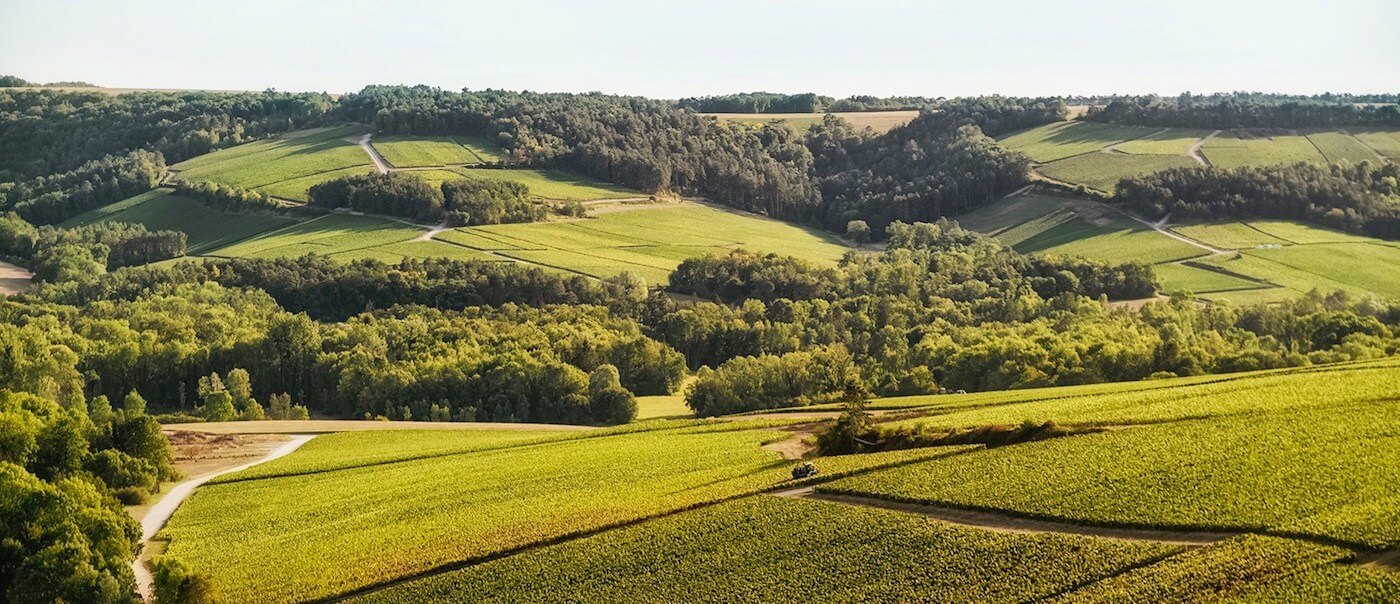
<point x="1246" y="111"/>
<point x="462" y="202"/>
<point x="1363" y="198"/>
<point x="775" y="102"/>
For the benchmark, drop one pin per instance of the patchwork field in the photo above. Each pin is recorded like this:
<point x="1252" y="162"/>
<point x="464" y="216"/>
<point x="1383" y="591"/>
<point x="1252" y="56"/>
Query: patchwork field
<point x="555" y="184"/>
<point x="1065" y="150"/>
<point x="329" y="235"/>
<point x="285" y="166"/>
<point x="1276" y="259"/>
<point x="163" y="209"/>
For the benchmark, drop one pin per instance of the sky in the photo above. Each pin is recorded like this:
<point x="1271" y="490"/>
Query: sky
<point x="668" y="49"/>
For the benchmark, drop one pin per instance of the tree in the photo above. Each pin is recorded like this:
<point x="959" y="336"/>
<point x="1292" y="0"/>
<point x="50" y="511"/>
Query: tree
<point x="240" y="389"/>
<point x="177" y="583"/>
<point x="279" y="406"/>
<point x="608" y="401"/>
<point x="218" y="403"/>
<point x="853" y="426"/>
<point x="858" y="231"/>
<point x="134" y="405"/>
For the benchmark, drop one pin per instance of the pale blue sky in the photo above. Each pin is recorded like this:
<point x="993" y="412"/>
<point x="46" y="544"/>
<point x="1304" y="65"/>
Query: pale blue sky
<point x="672" y="49"/>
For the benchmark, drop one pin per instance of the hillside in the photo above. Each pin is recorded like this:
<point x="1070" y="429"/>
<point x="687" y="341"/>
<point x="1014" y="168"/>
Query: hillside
<point x="1244" y="261"/>
<point x="1097" y="155"/>
<point x="1192" y="496"/>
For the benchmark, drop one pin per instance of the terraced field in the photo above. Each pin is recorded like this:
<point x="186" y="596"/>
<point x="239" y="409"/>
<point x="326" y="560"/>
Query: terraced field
<point x="285" y="166"/>
<point x="163" y="209"/>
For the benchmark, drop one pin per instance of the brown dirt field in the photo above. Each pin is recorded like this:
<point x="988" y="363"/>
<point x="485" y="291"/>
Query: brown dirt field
<point x="198" y="454"/>
<point x="323" y="426"/>
<point x="14" y="280"/>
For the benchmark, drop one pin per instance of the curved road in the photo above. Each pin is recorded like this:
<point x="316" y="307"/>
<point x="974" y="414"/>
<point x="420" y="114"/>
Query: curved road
<point x="379" y="162"/>
<point x="160" y="513"/>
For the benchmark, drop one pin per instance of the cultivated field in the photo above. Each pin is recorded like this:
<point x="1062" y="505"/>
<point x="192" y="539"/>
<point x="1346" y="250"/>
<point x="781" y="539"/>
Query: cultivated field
<point x="285" y="166"/>
<point x="555" y="184"/>
<point x="405" y="151"/>
<point x="1102" y="171"/>
<point x="1066" y="139"/>
<point x="162" y="209"/>
<point x="1233" y="149"/>
<point x="1276" y="259"/>
<point x="648" y="240"/>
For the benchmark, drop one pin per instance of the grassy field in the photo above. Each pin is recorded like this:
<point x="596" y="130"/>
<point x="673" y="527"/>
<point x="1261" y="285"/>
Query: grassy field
<point x="329" y="235"/>
<point x="879" y="121"/>
<point x="1332" y="438"/>
<point x="285" y="166"/>
<point x="1169" y="141"/>
<point x="791" y="551"/>
<point x="1229" y="235"/>
<point x="1361" y="267"/>
<point x="1232" y="149"/>
<point x="1102" y="171"/>
<point x="162" y="209"/>
<point x="649" y="241"/>
<point x="296" y="537"/>
<point x="1336" y="147"/>
<point x="1066" y="139"/>
<point x="406" y="151"/>
<point x="1204" y="279"/>
<point x="1384" y="142"/>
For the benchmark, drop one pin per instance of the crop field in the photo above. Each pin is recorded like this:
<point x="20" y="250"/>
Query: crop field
<point x="1228" y="235"/>
<point x="1384" y="142"/>
<point x="1154" y="401"/>
<point x="269" y="539"/>
<point x="879" y="121"/>
<point x="791" y="551"/>
<point x="1364" y="267"/>
<point x="1320" y="472"/>
<point x="284" y="166"/>
<point x="1102" y="171"/>
<point x="1233" y="568"/>
<point x="326" y="235"/>
<point x="1334" y="582"/>
<point x="163" y="209"/>
<point x="1078" y="237"/>
<point x="649" y="241"/>
<point x="405" y="151"/>
<point x="555" y="184"/>
<point x="1336" y="147"/>
<point x="1169" y="141"/>
<point x="1232" y="149"/>
<point x="1304" y="233"/>
<point x="1201" y="280"/>
<point x="1066" y="139"/>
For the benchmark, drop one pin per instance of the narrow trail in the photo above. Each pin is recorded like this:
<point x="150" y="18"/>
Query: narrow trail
<point x="379" y="162"/>
<point x="1195" y="150"/>
<point x="160" y="513"/>
<point x="1161" y="227"/>
<point x="1003" y="523"/>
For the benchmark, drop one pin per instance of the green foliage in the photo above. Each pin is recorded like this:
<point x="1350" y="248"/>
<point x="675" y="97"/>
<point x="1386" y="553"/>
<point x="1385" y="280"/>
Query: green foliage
<point x="418" y="151"/>
<point x="792" y="550"/>
<point x="396" y="194"/>
<point x="164" y="210"/>
<point x="768" y="382"/>
<point x="1066" y="139"/>
<point x="302" y="158"/>
<point x="55" y="198"/>
<point x="133" y="404"/>
<point x="485" y="201"/>
<point x="176" y="583"/>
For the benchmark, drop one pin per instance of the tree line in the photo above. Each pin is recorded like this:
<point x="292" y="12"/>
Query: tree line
<point x="807" y="102"/>
<point x="466" y="201"/>
<point x="1189" y="111"/>
<point x="82" y="253"/>
<point x="1362" y="198"/>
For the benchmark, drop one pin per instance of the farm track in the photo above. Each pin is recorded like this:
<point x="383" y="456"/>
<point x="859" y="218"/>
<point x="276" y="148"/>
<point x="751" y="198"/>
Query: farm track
<point x="1195" y="150"/>
<point x="160" y="513"/>
<point x="379" y="162"/>
<point x="1004" y="523"/>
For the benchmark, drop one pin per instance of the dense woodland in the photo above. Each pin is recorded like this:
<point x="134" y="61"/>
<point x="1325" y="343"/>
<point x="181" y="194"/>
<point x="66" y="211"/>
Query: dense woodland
<point x="463" y="202"/>
<point x="775" y="102"/>
<point x="1364" y="198"/>
<point x="1228" y="111"/>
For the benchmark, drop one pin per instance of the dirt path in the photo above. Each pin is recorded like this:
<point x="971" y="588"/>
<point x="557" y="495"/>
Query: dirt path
<point x="430" y="233"/>
<point x="379" y="162"/>
<point x="158" y="514"/>
<point x="1195" y="150"/>
<point x="1161" y="227"/>
<point x="14" y="279"/>
<point x="1004" y="523"/>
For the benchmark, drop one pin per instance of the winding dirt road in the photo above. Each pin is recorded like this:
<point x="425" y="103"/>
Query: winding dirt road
<point x="160" y="513"/>
<point x="1195" y="150"/>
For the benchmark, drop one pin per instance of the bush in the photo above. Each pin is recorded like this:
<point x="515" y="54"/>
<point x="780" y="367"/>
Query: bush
<point x="177" y="583"/>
